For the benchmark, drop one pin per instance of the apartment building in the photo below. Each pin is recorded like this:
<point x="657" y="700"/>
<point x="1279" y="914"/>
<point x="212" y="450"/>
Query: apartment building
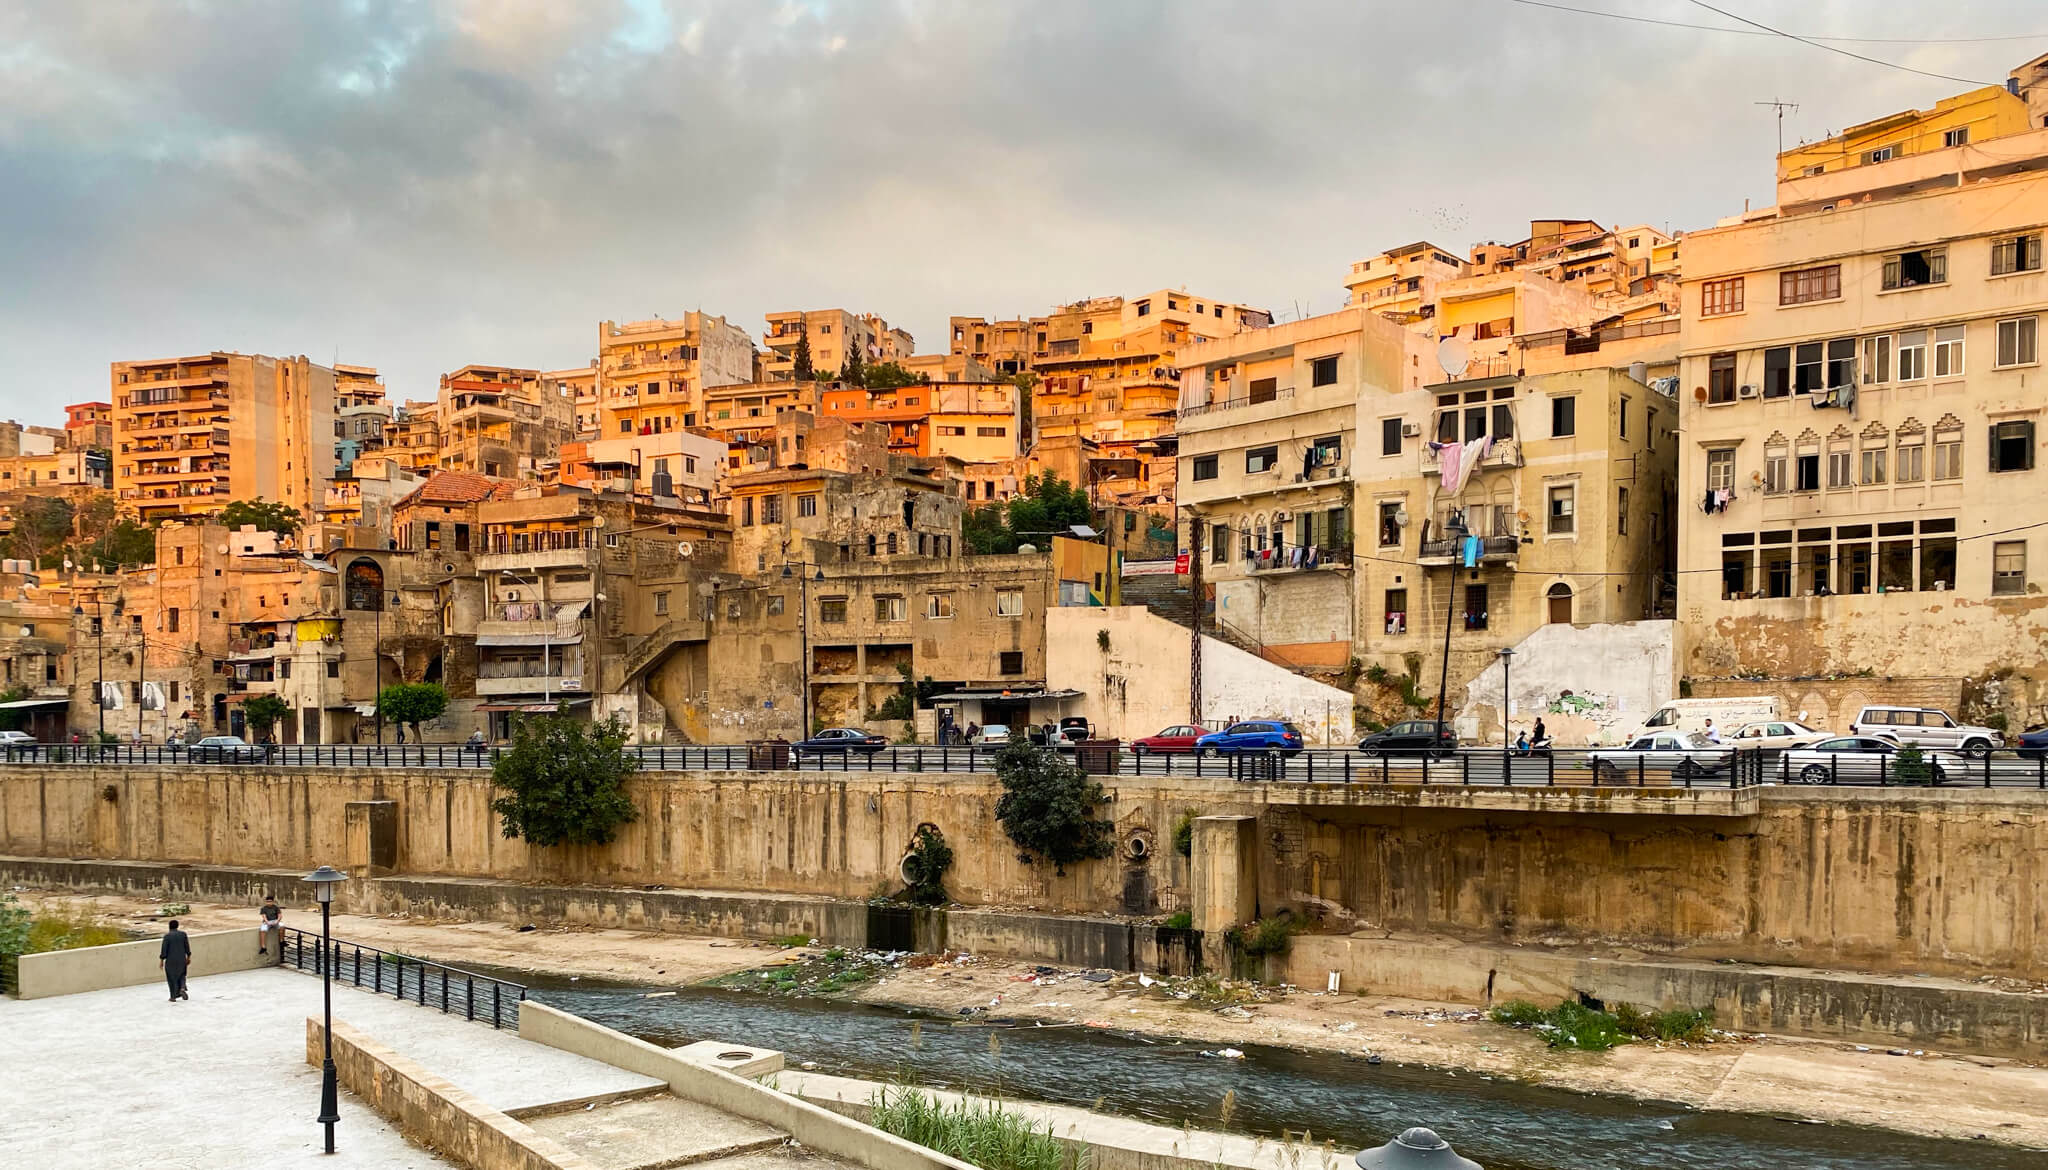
<point x="651" y="375"/>
<point x="951" y="367"/>
<point x="1007" y="347"/>
<point x="413" y="436"/>
<point x="834" y="334"/>
<point x="578" y="384"/>
<point x="1402" y="282"/>
<point x="1862" y="398"/>
<point x="501" y="421"/>
<point x="89" y="425"/>
<point x="366" y="493"/>
<point x="974" y="422"/>
<point x="192" y="433"/>
<point x="675" y="465"/>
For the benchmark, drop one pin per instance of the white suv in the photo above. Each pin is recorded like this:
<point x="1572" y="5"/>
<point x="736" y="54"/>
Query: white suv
<point x="1928" y="728"/>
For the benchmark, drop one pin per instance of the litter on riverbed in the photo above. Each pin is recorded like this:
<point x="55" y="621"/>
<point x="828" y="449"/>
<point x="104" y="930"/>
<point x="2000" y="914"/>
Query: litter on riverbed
<point x="1145" y="980"/>
<point x="1225" y="1054"/>
<point x="658" y="995"/>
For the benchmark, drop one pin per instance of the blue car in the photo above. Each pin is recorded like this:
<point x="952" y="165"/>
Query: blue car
<point x="2034" y="743"/>
<point x="1252" y="735"/>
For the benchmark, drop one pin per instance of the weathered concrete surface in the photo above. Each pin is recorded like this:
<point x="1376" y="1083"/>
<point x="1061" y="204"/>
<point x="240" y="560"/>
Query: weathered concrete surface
<point x="124" y="1078"/>
<point x="132" y="964"/>
<point x="654" y="1131"/>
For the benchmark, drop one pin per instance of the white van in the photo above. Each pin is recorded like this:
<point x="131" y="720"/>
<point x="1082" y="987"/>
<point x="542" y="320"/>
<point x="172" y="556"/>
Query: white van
<point x="1692" y="715"/>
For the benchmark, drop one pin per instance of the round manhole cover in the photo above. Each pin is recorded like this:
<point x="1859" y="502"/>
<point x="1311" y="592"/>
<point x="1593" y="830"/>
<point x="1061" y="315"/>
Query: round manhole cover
<point x="735" y="1056"/>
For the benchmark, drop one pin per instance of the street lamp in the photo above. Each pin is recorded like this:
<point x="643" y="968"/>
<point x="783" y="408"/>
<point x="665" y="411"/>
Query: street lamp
<point x="324" y="880"/>
<point x="803" y="633"/>
<point x="1507" y="696"/>
<point x="1454" y="531"/>
<point x="1414" y="1149"/>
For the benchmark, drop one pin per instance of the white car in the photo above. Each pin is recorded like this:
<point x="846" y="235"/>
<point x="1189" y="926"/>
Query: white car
<point x="994" y="735"/>
<point x="16" y="739"/>
<point x="1682" y="754"/>
<point x="1859" y="759"/>
<point x="1777" y="735"/>
<point x="1927" y="727"/>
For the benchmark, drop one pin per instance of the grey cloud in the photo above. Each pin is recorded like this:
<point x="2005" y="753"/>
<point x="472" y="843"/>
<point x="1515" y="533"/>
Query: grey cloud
<point x="418" y="186"/>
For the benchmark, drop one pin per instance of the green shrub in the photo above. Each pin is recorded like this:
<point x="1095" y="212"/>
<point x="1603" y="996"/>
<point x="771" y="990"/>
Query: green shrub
<point x="1180" y="920"/>
<point x="1048" y="808"/>
<point x="973" y="1131"/>
<point x="1574" y="1025"/>
<point x="1376" y="674"/>
<point x="1910" y="765"/>
<point x="1184" y="834"/>
<point x="930" y="857"/>
<point x="1691" y="1025"/>
<point x="564" y="781"/>
<point x="1267" y="936"/>
<point x="793" y="940"/>
<point x="1517" y="1013"/>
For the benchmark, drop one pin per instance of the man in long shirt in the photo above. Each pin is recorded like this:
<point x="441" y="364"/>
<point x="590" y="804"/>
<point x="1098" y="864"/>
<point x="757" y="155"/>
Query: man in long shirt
<point x="174" y="957"/>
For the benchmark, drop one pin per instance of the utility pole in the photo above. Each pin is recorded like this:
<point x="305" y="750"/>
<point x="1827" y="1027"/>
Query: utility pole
<point x="1195" y="553"/>
<point x="1780" y="107"/>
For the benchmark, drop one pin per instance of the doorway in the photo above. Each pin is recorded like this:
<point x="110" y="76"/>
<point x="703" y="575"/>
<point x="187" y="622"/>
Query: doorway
<point x="1561" y="604"/>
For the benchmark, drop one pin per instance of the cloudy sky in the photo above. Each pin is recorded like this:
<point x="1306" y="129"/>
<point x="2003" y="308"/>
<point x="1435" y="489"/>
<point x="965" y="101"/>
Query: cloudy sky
<point x="420" y="185"/>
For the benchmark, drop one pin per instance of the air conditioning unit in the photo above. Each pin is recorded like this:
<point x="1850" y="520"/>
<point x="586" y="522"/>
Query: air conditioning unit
<point x="1747" y="392"/>
<point x="511" y="594"/>
<point x="1411" y="430"/>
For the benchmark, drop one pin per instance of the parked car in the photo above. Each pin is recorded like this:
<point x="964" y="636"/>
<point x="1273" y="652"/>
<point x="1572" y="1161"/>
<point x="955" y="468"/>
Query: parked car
<point x="1776" y="734"/>
<point x="1688" y="715"/>
<point x="2034" y="742"/>
<point x="1856" y="758"/>
<point x="1180" y="737"/>
<point x="1078" y="725"/>
<point x="1412" y="737"/>
<point x="223" y="749"/>
<point x="1927" y="727"/>
<point x="1683" y="754"/>
<point x="836" y="740"/>
<point x="16" y="739"/>
<point x="1064" y="739"/>
<point x="994" y="735"/>
<point x="1252" y="735"/>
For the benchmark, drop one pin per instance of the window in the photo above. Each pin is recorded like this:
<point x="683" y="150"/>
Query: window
<point x="891" y="544"/>
<point x="1010" y="662"/>
<point x="1778" y="372"/>
<point x="1956" y="137"/>
<point x="1881" y="154"/>
<point x="1838" y="468"/>
<point x="1877" y="360"/>
<point x="771" y="509"/>
<point x="1948" y="454"/>
<point x="1803" y="285"/>
<point x="1621" y="512"/>
<point x="2016" y="254"/>
<point x="1721" y="297"/>
<point x="171" y="621"/>
<point x="1563" y="417"/>
<point x="1390" y="524"/>
<point x="1721" y="470"/>
<point x="2012" y="445"/>
<point x="891" y="609"/>
<point x="1913" y="355"/>
<point x="1219" y="544"/>
<point x="1621" y="416"/>
<point x="1807" y="471"/>
<point x="660" y="604"/>
<point x="1948" y="351"/>
<point x="1774" y="472"/>
<point x="1873" y="466"/>
<point x="1205" y="467"/>
<point x="1910" y="466"/>
<point x="1390" y="436"/>
<point x="1562" y="520"/>
<point x="1911" y="269"/>
<point x="807" y="505"/>
<point x="832" y="610"/>
<point x="1808" y="367"/>
<point x="1503" y="417"/>
<point x="1010" y="603"/>
<point x="775" y="605"/>
<point x="2019" y="341"/>
<point x="1475" y="606"/>
<point x="1263" y="390"/>
<point x="938" y="605"/>
<point x="1260" y="459"/>
<point x="1721" y="378"/>
<point x="2009" y="567"/>
<point x="1144" y="308"/>
<point x="991" y="432"/>
<point x="1327" y="451"/>
<point x="1841" y="362"/>
<point x="1397" y="611"/>
<point x="746" y="510"/>
<point x="1323" y="371"/>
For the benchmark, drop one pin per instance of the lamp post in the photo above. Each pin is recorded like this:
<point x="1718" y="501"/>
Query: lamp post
<point x="324" y="880"/>
<point x="1414" y="1149"/>
<point x="1507" y="695"/>
<point x="1454" y="530"/>
<point x="803" y="634"/>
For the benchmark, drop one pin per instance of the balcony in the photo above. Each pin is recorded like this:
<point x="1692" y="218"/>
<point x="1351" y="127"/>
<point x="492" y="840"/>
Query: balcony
<point x="1506" y="453"/>
<point x="1228" y="404"/>
<point x="1290" y="558"/>
<point x="1492" y="550"/>
<point x="528" y="682"/>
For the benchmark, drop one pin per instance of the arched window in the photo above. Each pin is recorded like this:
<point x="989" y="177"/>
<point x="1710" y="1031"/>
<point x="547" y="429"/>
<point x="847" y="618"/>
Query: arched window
<point x="1560" y="596"/>
<point x="364" y="585"/>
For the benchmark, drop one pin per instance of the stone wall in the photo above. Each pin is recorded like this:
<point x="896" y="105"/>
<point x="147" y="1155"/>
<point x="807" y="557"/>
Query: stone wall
<point x="1832" y="704"/>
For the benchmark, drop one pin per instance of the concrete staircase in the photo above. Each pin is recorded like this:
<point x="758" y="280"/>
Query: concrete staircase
<point x="666" y="637"/>
<point x="655" y="1130"/>
<point x="1167" y="597"/>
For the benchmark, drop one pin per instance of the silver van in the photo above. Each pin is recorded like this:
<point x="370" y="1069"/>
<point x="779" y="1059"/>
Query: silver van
<point x="1928" y="728"/>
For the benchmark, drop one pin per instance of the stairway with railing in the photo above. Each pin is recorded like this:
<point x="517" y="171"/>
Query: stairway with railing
<point x="421" y="981"/>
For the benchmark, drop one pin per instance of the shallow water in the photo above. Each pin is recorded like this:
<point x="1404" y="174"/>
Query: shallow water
<point x="1504" y="1125"/>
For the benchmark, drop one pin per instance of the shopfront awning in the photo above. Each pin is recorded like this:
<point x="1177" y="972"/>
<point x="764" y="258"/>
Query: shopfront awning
<point x="26" y="704"/>
<point x="1016" y="695"/>
<point x="528" y="639"/>
<point x="532" y="708"/>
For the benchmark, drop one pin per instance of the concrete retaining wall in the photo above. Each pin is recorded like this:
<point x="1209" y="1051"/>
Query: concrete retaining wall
<point x="434" y="1113"/>
<point x="819" y="1129"/>
<point x="130" y="964"/>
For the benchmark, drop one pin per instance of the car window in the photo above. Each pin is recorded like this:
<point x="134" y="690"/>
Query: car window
<point x="1838" y="745"/>
<point x="1290" y="728"/>
<point x="1874" y="717"/>
<point x="1644" y="743"/>
<point x="1938" y="719"/>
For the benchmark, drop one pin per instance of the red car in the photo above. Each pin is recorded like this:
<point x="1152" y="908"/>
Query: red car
<point x="1180" y="738"/>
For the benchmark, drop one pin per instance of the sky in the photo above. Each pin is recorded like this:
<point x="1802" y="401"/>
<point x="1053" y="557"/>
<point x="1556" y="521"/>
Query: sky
<point x="419" y="185"/>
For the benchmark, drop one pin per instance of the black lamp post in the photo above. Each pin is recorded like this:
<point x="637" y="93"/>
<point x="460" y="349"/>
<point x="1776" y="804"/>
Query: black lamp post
<point x="1507" y="695"/>
<point x="803" y="633"/>
<point x="324" y="880"/>
<point x="1414" y="1149"/>
<point x="1454" y="531"/>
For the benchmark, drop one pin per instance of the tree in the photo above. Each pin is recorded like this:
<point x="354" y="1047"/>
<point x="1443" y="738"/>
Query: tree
<point x="924" y="868"/>
<point x="1048" y="505"/>
<point x="1048" y="808"/>
<point x="853" y="373"/>
<point x="413" y="703"/>
<point x="564" y="781"/>
<point x="984" y="530"/>
<point x="42" y="524"/>
<point x="804" y="370"/>
<point x="262" y="713"/>
<point x="267" y="515"/>
<point x="888" y="376"/>
<point x="12" y="720"/>
<point x="106" y="538"/>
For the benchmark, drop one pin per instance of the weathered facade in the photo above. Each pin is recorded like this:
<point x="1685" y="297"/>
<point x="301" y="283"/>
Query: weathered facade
<point x="193" y="433"/>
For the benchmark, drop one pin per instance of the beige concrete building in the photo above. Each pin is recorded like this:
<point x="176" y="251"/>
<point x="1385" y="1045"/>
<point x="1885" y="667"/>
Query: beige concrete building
<point x="1862" y="397"/>
<point x="1402" y="282"/>
<point x="501" y="421"/>
<point x="833" y="333"/>
<point x="193" y="433"/>
<point x="1008" y="347"/>
<point x="651" y="374"/>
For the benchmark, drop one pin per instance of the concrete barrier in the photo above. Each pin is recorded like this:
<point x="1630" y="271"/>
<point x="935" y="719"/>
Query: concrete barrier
<point x="434" y="1113"/>
<point x="816" y="1127"/>
<point x="215" y="952"/>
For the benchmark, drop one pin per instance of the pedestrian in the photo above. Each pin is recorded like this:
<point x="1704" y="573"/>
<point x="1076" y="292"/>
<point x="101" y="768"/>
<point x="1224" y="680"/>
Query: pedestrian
<point x="1539" y="734"/>
<point x="174" y="957"/>
<point x="269" y="928"/>
<point x="1713" y="733"/>
<point x="973" y="732"/>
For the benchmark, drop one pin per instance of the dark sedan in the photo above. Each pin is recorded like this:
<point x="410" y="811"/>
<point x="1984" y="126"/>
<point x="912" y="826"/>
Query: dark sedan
<point x="833" y="740"/>
<point x="2033" y="743"/>
<point x="1412" y="738"/>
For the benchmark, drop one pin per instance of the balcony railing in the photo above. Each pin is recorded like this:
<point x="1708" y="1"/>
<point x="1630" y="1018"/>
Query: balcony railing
<point x="1491" y="548"/>
<point x="1235" y="403"/>
<point x="1504" y="453"/>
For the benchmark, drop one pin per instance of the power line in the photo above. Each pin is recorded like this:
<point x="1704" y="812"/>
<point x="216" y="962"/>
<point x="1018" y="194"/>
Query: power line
<point x="1745" y="32"/>
<point x="1809" y="41"/>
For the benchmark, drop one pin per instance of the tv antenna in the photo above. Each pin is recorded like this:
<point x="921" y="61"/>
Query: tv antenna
<point x="1780" y="107"/>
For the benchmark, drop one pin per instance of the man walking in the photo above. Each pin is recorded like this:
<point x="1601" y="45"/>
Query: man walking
<point x="174" y="957"/>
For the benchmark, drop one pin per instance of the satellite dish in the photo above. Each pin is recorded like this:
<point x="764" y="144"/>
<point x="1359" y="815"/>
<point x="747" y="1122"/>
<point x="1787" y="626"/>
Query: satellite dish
<point x="222" y="550"/>
<point x="1454" y="355"/>
<point x="1401" y="517"/>
<point x="684" y="548"/>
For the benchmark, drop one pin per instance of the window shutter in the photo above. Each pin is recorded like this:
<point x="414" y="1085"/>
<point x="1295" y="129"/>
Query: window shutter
<point x="1993" y="444"/>
<point x="2027" y="432"/>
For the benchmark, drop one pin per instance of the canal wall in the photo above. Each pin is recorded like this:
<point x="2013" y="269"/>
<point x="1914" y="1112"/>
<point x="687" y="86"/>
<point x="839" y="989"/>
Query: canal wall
<point x="1915" y="881"/>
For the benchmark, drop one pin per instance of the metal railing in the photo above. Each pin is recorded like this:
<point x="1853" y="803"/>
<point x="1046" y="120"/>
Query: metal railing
<point x="429" y="984"/>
